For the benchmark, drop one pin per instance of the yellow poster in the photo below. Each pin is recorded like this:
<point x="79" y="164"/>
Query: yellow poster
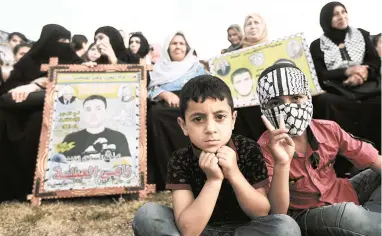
<point x="241" y="69"/>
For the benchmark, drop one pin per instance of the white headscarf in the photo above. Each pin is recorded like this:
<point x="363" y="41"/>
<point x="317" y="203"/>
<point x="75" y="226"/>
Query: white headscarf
<point x="166" y="71"/>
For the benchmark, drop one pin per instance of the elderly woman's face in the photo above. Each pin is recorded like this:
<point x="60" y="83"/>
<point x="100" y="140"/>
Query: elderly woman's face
<point x="178" y="48"/>
<point x="253" y="28"/>
<point x="135" y="44"/>
<point x="340" y="18"/>
<point x="233" y="37"/>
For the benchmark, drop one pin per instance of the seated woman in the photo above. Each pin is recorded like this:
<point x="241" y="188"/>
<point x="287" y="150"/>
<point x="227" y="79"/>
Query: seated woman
<point x="176" y="66"/>
<point x="248" y="122"/>
<point x="138" y="45"/>
<point x="92" y="54"/>
<point x="255" y="30"/>
<point x="112" y="47"/>
<point x="348" y="68"/>
<point x="20" y="122"/>
<point x="343" y="56"/>
<point x="235" y="36"/>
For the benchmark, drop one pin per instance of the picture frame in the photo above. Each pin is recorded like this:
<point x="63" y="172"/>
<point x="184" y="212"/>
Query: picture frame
<point x="240" y="69"/>
<point x="93" y="139"/>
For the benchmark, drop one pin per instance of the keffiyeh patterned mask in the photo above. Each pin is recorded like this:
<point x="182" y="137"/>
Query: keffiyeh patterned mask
<point x="284" y="80"/>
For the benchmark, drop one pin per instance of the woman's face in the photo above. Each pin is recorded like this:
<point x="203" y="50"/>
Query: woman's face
<point x="22" y="51"/>
<point x="135" y="44"/>
<point x="253" y="28"/>
<point x="101" y="38"/>
<point x="233" y="37"/>
<point x="340" y="18"/>
<point x="14" y="41"/>
<point x="178" y="48"/>
<point x="62" y="40"/>
<point x="93" y="53"/>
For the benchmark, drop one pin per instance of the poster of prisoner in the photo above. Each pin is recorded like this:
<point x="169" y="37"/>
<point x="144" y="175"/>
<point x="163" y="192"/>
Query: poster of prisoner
<point x="240" y="69"/>
<point x="93" y="139"/>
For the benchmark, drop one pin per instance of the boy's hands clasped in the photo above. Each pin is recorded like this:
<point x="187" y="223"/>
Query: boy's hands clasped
<point x="221" y="165"/>
<point x="208" y="162"/>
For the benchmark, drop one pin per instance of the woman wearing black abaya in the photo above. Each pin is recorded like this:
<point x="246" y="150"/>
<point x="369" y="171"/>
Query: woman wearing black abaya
<point x="345" y="60"/>
<point x="21" y="105"/>
<point x="110" y="43"/>
<point x="53" y="42"/>
<point x="138" y="45"/>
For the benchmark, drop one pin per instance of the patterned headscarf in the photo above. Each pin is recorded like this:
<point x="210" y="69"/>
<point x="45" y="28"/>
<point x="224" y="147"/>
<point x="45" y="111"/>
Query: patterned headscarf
<point x="332" y="38"/>
<point x="283" y="80"/>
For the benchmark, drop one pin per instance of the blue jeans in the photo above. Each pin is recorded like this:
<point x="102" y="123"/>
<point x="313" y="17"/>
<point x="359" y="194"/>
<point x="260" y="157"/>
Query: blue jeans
<point x="347" y="218"/>
<point x="153" y="219"/>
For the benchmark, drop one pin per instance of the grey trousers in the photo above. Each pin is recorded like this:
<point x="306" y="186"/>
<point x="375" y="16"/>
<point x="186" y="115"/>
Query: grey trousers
<point x="153" y="219"/>
<point x="347" y="218"/>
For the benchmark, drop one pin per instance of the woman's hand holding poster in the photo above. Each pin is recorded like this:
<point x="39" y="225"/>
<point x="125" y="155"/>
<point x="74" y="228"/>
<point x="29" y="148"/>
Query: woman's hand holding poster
<point x="241" y="69"/>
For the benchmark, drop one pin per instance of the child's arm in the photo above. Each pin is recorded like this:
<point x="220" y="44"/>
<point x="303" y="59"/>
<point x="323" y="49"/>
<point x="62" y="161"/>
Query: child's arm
<point x="362" y="154"/>
<point x="376" y="166"/>
<point x="252" y="201"/>
<point x="191" y="215"/>
<point x="282" y="149"/>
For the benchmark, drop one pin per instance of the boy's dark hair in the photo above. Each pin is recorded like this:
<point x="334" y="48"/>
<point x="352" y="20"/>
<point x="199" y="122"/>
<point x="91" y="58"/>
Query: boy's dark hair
<point x="17" y="48"/>
<point x="23" y="38"/>
<point x="78" y="40"/>
<point x="96" y="97"/>
<point x="240" y="71"/>
<point x="202" y="87"/>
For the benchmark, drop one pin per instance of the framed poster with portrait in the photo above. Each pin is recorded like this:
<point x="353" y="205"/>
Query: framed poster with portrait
<point x="240" y="69"/>
<point x="93" y="138"/>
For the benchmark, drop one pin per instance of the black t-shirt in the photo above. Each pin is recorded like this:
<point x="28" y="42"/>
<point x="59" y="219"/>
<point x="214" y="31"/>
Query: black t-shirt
<point x="109" y="143"/>
<point x="184" y="173"/>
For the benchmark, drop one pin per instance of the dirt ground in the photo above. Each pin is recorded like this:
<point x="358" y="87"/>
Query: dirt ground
<point x="110" y="215"/>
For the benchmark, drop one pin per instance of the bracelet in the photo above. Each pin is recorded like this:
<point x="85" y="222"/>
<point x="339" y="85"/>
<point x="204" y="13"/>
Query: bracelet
<point x="38" y="85"/>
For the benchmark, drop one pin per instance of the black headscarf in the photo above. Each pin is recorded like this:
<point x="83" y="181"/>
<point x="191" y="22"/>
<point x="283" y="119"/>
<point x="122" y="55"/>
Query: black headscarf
<point x="118" y="46"/>
<point x="29" y="67"/>
<point x="326" y="16"/>
<point x="144" y="48"/>
<point x="48" y="46"/>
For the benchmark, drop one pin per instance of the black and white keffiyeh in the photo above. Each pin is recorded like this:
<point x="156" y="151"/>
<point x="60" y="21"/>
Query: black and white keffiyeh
<point x="354" y="46"/>
<point x="285" y="79"/>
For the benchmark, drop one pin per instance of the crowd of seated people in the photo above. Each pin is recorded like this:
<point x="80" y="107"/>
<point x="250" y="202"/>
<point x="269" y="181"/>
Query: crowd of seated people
<point x="304" y="171"/>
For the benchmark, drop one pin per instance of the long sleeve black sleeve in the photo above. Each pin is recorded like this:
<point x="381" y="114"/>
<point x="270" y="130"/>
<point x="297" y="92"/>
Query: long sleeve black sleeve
<point x="371" y="57"/>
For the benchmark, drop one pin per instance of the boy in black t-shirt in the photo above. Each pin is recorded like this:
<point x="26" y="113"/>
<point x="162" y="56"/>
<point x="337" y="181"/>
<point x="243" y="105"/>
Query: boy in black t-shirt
<point x="217" y="182"/>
